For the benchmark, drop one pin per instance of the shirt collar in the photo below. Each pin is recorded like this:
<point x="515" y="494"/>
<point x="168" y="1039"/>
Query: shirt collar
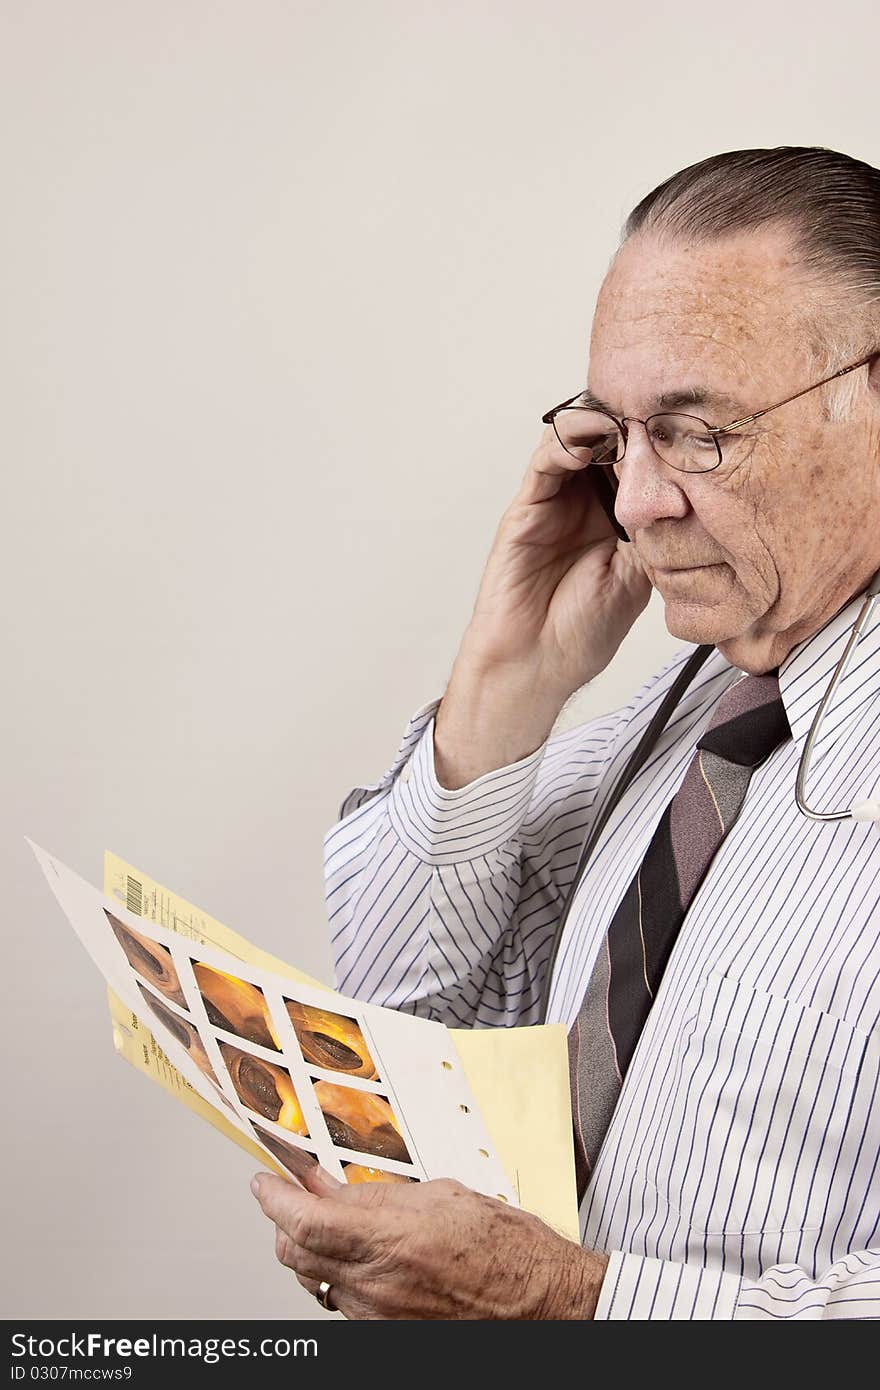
<point x="805" y="673"/>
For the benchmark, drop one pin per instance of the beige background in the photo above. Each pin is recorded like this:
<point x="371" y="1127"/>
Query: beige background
<point x="285" y="290"/>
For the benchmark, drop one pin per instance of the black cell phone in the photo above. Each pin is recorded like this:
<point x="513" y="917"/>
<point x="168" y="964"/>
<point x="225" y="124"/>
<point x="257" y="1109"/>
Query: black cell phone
<point x="605" y="483"/>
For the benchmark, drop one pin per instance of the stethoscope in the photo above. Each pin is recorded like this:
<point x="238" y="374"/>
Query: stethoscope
<point x="860" y="811"/>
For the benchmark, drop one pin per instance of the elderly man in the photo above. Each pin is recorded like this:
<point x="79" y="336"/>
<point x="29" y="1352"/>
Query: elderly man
<point x="718" y="967"/>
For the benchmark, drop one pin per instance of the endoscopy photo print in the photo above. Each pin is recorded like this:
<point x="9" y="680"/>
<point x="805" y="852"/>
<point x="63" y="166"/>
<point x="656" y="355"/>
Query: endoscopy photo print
<point x="441" y="853"/>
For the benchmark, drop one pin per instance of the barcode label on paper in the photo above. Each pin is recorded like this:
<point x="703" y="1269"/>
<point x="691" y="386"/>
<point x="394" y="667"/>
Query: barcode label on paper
<point x="134" y="895"/>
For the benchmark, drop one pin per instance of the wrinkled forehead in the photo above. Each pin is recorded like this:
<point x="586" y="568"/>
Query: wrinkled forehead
<point x="732" y="313"/>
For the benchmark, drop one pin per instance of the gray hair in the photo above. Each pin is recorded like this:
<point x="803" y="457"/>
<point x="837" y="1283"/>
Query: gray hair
<point x="831" y="204"/>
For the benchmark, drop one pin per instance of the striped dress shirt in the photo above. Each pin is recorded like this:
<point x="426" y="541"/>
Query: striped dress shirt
<point x="740" y="1174"/>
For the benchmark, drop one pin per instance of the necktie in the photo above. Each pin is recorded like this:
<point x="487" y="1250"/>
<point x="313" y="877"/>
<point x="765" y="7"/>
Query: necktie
<point x="749" y="722"/>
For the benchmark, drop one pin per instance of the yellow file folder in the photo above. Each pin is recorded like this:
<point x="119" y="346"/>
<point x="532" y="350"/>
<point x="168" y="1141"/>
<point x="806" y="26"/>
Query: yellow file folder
<point x="519" y="1075"/>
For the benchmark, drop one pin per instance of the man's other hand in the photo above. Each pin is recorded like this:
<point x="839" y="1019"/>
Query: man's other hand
<point x="426" y="1250"/>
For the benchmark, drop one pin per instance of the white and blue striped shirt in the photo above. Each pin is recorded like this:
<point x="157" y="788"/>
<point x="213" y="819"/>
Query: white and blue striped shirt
<point x="740" y="1175"/>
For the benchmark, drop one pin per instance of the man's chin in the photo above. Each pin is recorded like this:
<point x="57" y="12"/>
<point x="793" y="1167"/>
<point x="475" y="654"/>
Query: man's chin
<point x="704" y="623"/>
<point x="714" y="627"/>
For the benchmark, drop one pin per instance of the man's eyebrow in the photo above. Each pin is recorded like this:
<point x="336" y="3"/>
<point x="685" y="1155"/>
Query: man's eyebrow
<point x="690" y="398"/>
<point x="698" y="396"/>
<point x="594" y="402"/>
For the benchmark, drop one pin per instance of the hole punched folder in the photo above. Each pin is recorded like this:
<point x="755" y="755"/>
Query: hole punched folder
<point x="295" y="1073"/>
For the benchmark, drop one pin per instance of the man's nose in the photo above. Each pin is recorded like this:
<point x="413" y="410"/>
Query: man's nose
<point x="647" y="490"/>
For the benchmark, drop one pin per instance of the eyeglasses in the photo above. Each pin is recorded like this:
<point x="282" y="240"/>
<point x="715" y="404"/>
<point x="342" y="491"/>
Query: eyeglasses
<point x="685" y="442"/>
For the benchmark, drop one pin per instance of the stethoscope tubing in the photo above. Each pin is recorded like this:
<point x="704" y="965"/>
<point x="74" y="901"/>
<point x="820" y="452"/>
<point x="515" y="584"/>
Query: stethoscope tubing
<point x="800" y="788"/>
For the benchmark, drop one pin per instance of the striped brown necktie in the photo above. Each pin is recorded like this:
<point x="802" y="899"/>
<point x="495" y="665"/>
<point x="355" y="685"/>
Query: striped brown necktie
<point x="748" y="724"/>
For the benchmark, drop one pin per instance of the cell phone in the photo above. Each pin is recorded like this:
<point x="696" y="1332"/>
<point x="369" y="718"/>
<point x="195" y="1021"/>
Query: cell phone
<point x="605" y="483"/>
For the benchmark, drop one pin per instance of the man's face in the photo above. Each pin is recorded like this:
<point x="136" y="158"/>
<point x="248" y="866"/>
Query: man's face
<point x="757" y="554"/>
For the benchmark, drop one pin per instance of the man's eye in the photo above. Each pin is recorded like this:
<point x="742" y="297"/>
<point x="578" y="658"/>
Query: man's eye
<point x="661" y="433"/>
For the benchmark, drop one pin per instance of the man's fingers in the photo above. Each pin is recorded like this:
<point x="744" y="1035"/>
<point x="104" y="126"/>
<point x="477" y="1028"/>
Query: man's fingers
<point x="338" y="1300"/>
<point x="322" y="1183"/>
<point x="312" y="1286"/>
<point x="313" y="1270"/>
<point x="345" y="1230"/>
<point x="277" y="1194"/>
<point x="309" y="1264"/>
<point x="545" y="476"/>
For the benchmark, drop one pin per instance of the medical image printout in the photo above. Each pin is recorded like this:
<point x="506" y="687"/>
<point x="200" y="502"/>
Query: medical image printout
<point x="306" y="1075"/>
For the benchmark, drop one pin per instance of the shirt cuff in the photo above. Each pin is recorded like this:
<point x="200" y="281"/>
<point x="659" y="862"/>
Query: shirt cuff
<point x="637" y="1288"/>
<point x="414" y="730"/>
<point x="443" y="826"/>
